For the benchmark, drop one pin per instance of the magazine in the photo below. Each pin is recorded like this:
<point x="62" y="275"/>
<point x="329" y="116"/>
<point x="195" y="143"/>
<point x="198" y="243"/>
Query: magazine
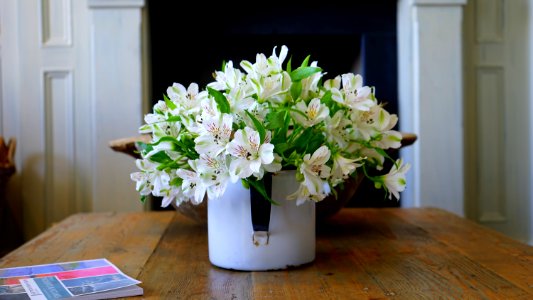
<point x="87" y="279"/>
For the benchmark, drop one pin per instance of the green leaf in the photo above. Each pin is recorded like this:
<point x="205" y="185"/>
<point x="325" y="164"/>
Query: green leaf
<point x="245" y="184"/>
<point x="333" y="106"/>
<point x="303" y="72"/>
<point x="301" y="113"/>
<point x="144" y="147"/>
<point x="384" y="154"/>
<point x="295" y="133"/>
<point x="169" y="102"/>
<point x="305" y="63"/>
<point x="143" y="198"/>
<point x="289" y="67"/>
<point x="177" y="181"/>
<point x="296" y="90"/>
<point x="315" y="142"/>
<point x="327" y="98"/>
<point x="260" y="187"/>
<point x="303" y="139"/>
<point x="220" y="99"/>
<point x="165" y="139"/>
<point x="275" y="119"/>
<point x="160" y="157"/>
<point x="174" y="119"/>
<point x="280" y="135"/>
<point x="171" y="165"/>
<point x="186" y="145"/>
<point x="260" y="128"/>
<point x="281" y="147"/>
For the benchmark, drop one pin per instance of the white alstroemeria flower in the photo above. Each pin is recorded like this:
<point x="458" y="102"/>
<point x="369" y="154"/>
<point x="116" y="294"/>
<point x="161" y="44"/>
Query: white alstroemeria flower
<point x="370" y="155"/>
<point x="373" y="122"/>
<point x="314" y="168"/>
<point x="342" y="167"/>
<point x="249" y="153"/>
<point x="263" y="66"/>
<point x="215" y="172"/>
<point x="189" y="100"/>
<point x="209" y="108"/>
<point x="258" y="110"/>
<point x="336" y="129"/>
<point x="314" y="113"/>
<point x="334" y="83"/>
<point x="239" y="101"/>
<point x="142" y="185"/>
<point x="334" y="86"/>
<point x="302" y="194"/>
<point x="389" y="139"/>
<point x="394" y="181"/>
<point x="310" y="84"/>
<point x="274" y="88"/>
<point x="278" y="61"/>
<point x="150" y="179"/>
<point x="356" y="96"/>
<point x="228" y="79"/>
<point x="209" y="111"/>
<point x="157" y="123"/>
<point x="193" y="185"/>
<point x="273" y="167"/>
<point x="142" y="179"/>
<point x="214" y="135"/>
<point x="154" y="118"/>
<point x="165" y="146"/>
<point x="267" y="78"/>
<point x="172" y="194"/>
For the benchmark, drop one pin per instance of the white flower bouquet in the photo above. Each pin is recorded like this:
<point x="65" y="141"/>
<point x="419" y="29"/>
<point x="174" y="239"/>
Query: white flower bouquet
<point x="262" y="119"/>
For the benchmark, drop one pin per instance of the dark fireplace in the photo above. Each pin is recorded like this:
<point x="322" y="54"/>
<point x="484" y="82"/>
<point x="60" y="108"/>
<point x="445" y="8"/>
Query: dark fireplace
<point x="359" y="37"/>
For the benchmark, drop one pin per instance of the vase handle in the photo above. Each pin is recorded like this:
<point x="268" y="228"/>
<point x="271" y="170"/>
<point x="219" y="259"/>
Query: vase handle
<point x="260" y="212"/>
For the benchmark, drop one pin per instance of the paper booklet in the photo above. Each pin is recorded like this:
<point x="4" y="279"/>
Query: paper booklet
<point x="86" y="279"/>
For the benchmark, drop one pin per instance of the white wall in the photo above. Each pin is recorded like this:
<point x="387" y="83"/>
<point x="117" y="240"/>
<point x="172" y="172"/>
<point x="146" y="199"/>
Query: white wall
<point x="431" y="99"/>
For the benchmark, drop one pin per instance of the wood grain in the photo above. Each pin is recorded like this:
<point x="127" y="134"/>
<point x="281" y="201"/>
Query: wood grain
<point x="361" y="254"/>
<point x="126" y="239"/>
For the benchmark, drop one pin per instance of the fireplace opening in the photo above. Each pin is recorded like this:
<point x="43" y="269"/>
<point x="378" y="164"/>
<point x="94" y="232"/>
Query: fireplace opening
<point x="188" y="43"/>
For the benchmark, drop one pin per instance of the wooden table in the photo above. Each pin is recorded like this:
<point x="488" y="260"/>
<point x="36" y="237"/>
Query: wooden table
<point x="396" y="253"/>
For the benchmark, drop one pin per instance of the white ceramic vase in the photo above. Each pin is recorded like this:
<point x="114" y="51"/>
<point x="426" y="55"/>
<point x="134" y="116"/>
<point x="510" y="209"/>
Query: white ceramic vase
<point x="290" y="240"/>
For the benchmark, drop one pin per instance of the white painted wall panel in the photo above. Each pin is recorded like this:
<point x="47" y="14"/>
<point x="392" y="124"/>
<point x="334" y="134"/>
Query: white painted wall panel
<point x="489" y="20"/>
<point x="56" y="19"/>
<point x="516" y="113"/>
<point x="59" y="147"/>
<point x="117" y="103"/>
<point x="438" y="98"/>
<point x="490" y="106"/>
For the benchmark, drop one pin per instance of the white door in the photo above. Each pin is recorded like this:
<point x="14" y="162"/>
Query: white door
<point x="498" y="115"/>
<point x="71" y="82"/>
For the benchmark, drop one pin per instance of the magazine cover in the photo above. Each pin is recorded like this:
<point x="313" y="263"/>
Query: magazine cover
<point x="87" y="279"/>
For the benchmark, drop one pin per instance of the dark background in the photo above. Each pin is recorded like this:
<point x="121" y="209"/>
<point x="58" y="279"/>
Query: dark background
<point x="188" y="43"/>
